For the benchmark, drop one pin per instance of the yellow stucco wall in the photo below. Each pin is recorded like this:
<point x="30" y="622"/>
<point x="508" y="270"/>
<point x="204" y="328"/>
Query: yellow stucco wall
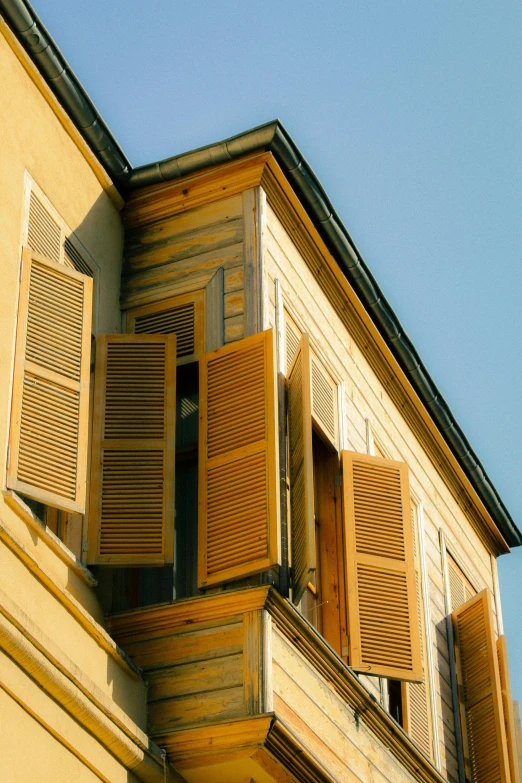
<point x="67" y="695"/>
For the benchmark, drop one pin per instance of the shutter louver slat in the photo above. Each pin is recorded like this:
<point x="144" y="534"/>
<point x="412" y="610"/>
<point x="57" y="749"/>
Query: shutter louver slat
<point x="301" y="470"/>
<point x="238" y="528"/>
<point x="324" y="400"/>
<point x="176" y="320"/>
<point x="183" y="315"/>
<point x="382" y="615"/>
<point x="73" y="258"/>
<point x="51" y="385"/>
<point x="480" y="693"/>
<point x="292" y="338"/>
<point x="44" y="234"/>
<point x="132" y="485"/>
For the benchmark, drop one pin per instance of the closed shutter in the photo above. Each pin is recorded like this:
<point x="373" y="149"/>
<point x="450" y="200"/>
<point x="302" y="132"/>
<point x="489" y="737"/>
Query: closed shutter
<point x="50" y="405"/>
<point x="292" y="338"/>
<point x="301" y="470"/>
<point x="44" y="235"/>
<point x="480" y="692"/>
<point x="324" y="400"/>
<point x="507" y="706"/>
<point x="383" y="623"/>
<point x="131" y="510"/>
<point x="460" y="588"/>
<point x="238" y="477"/>
<point x="181" y="315"/>
<point x="415" y="695"/>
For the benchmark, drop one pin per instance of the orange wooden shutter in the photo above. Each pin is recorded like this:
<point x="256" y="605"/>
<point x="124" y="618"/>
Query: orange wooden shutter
<point x="301" y="470"/>
<point x="238" y="476"/>
<point x="480" y="696"/>
<point x="507" y="707"/>
<point x="415" y="695"/>
<point x="50" y="405"/>
<point x="383" y="625"/>
<point x="131" y="510"/>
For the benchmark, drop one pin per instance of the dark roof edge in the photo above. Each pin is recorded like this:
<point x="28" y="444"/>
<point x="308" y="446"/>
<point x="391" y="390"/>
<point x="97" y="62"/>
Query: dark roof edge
<point x="270" y="137"/>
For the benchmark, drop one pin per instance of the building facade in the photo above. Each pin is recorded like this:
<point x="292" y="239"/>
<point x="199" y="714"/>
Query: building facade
<point x="242" y="537"/>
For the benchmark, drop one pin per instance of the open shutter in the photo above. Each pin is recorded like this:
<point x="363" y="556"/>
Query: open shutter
<point x="238" y="475"/>
<point x="50" y="405"/>
<point x="507" y="706"/>
<point x="480" y="696"/>
<point x="383" y="624"/>
<point x="301" y="470"/>
<point x="415" y="695"/>
<point x="131" y="512"/>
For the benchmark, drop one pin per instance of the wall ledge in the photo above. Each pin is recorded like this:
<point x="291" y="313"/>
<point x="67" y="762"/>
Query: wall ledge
<point x="22" y="510"/>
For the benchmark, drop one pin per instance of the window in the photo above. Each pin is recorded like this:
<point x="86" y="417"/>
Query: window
<point x="378" y="568"/>
<point x="47" y="235"/>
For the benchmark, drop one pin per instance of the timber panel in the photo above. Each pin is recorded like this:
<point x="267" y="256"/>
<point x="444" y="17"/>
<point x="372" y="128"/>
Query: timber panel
<point x="179" y="251"/>
<point x="195" y="673"/>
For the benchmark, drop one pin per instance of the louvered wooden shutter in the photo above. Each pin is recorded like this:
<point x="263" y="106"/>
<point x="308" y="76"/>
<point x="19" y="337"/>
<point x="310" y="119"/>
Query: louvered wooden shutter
<point x="182" y="316"/>
<point x="292" y="338"/>
<point x="131" y="512"/>
<point x="301" y="470"/>
<point x="507" y="708"/>
<point x="460" y="589"/>
<point x="238" y="477"/>
<point x="415" y="695"/>
<point x="383" y="625"/>
<point x="44" y="235"/>
<point x="50" y="405"/>
<point x="480" y="692"/>
<point x="324" y="400"/>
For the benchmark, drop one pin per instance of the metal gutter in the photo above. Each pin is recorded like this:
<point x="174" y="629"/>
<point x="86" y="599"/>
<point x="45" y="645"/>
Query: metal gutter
<point x="274" y="138"/>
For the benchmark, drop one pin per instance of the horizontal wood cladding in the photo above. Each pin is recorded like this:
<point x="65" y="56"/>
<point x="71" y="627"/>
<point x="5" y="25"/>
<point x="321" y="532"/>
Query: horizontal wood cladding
<point x="178" y="253"/>
<point x="179" y="195"/>
<point x="304" y="238"/>
<point x="198" y="715"/>
<point x="195" y="675"/>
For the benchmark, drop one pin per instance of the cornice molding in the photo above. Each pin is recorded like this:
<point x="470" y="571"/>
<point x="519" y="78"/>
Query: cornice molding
<point x="132" y="748"/>
<point x="84" y="619"/>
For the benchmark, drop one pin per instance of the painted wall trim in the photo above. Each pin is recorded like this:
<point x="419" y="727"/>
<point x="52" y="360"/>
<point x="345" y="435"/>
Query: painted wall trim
<point x="95" y="631"/>
<point x="136" y="752"/>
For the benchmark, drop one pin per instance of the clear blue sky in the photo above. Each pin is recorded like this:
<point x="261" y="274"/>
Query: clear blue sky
<point x="410" y="113"/>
